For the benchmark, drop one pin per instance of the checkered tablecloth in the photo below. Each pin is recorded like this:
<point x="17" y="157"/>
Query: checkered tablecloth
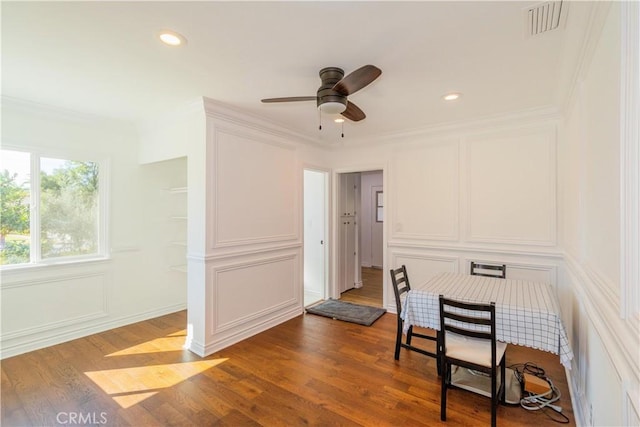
<point x="526" y="312"/>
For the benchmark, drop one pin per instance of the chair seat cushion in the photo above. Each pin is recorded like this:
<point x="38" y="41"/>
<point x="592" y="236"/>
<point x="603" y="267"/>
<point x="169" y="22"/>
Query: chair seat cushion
<point x="474" y="350"/>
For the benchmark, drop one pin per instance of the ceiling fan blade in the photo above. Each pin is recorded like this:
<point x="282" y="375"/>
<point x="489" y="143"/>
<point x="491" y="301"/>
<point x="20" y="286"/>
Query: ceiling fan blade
<point x="357" y="80"/>
<point x="291" y="99"/>
<point x="353" y="112"/>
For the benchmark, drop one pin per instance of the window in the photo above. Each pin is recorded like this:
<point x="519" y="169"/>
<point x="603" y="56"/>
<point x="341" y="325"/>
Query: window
<point x="50" y="209"/>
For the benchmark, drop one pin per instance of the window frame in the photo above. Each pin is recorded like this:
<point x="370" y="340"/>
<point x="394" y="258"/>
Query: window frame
<point x="35" y="255"/>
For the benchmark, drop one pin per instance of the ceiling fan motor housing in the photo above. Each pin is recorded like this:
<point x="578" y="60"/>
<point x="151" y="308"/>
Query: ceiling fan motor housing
<point x="330" y="76"/>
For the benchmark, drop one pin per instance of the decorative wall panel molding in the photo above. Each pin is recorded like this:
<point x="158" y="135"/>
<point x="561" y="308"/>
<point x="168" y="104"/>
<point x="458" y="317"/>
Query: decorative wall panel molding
<point x="27" y="311"/>
<point x="425" y="187"/>
<point x="255" y="190"/>
<point x="510" y="188"/>
<point x="253" y="290"/>
<point x="631" y="404"/>
<point x="13" y="345"/>
<point x="243" y="252"/>
<point x="603" y="312"/>
<point x="448" y="261"/>
<point x="630" y="159"/>
<point x="510" y="251"/>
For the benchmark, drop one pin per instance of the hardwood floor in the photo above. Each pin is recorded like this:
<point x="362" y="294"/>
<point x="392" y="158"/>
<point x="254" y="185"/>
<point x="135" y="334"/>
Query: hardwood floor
<point x="310" y="370"/>
<point x="371" y="291"/>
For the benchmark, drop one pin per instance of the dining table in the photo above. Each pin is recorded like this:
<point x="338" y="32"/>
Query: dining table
<point x="527" y="312"/>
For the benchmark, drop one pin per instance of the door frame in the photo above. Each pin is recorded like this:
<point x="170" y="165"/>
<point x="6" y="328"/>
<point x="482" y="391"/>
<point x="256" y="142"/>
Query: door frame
<point x="335" y="217"/>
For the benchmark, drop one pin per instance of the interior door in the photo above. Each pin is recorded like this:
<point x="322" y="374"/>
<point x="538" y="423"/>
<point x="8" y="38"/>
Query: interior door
<point x="315" y="226"/>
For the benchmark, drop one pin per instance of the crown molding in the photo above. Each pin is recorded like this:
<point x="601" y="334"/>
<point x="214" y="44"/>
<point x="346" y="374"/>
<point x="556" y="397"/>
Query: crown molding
<point x="220" y="111"/>
<point x="495" y="122"/>
<point x="31" y="107"/>
<point x="593" y="30"/>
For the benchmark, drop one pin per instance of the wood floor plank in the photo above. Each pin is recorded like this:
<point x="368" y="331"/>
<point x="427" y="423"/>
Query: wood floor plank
<point x="310" y="370"/>
<point x="371" y="291"/>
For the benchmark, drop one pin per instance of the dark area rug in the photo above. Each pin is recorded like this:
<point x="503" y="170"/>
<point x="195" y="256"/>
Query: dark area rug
<point x="349" y="312"/>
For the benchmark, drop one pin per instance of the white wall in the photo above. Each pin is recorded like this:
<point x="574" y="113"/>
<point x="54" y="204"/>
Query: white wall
<point x="606" y="373"/>
<point x="47" y="305"/>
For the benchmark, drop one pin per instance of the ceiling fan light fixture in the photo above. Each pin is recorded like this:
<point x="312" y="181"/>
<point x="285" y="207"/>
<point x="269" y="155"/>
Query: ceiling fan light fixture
<point x="332" y="107"/>
<point x="339" y="120"/>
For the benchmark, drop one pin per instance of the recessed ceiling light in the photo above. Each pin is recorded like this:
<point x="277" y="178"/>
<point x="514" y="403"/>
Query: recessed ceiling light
<point x="451" y="96"/>
<point x="172" y="38"/>
<point x="339" y="120"/>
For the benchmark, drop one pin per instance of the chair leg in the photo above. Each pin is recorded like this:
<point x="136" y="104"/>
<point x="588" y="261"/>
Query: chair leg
<point x="443" y="392"/>
<point x="439" y="352"/>
<point x="494" y="397"/>
<point x="409" y="334"/>
<point x="503" y="373"/>
<point x="398" y="339"/>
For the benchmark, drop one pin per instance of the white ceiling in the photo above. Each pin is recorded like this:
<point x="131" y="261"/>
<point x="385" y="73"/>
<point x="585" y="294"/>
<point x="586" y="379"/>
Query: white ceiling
<point x="104" y="58"/>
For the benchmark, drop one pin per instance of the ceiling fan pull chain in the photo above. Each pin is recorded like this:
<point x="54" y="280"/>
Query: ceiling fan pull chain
<point x="320" y="119"/>
<point x="342" y="129"/>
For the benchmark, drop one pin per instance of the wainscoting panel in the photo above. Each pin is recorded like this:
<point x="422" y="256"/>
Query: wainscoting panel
<point x="545" y="274"/>
<point x="510" y="188"/>
<point x="256" y="195"/>
<point x="254" y="290"/>
<point x="425" y="192"/>
<point x="52" y="303"/>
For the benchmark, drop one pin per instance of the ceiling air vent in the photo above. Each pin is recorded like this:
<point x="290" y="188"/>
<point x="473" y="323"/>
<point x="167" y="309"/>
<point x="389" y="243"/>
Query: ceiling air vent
<point x="542" y="17"/>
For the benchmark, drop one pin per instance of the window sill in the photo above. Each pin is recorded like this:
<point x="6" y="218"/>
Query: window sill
<point x="24" y="268"/>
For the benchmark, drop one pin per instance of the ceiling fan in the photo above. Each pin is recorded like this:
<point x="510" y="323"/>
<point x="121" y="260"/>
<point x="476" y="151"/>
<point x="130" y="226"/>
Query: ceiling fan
<point x="334" y="90"/>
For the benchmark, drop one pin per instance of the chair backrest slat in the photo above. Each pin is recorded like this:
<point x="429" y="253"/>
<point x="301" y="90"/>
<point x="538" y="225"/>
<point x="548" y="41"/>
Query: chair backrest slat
<point x="468" y="319"/>
<point x="488" y="270"/>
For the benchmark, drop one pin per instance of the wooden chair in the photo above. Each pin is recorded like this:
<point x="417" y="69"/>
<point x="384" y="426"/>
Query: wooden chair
<point x="487" y="270"/>
<point x="401" y="286"/>
<point x="468" y="334"/>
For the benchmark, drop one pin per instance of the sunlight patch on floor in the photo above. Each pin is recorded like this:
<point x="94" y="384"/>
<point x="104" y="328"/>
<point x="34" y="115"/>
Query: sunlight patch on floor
<point x="133" y="385"/>
<point x="128" y="400"/>
<point x="172" y="342"/>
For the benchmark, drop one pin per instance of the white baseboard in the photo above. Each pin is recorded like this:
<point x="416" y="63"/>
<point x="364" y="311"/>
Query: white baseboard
<point x="25" y="344"/>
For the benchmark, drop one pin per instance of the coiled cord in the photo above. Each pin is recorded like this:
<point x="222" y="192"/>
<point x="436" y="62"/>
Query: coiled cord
<point x="536" y="402"/>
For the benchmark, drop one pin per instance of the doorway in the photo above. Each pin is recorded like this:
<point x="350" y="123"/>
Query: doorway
<point x="367" y="286"/>
<point x="316" y="222"/>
